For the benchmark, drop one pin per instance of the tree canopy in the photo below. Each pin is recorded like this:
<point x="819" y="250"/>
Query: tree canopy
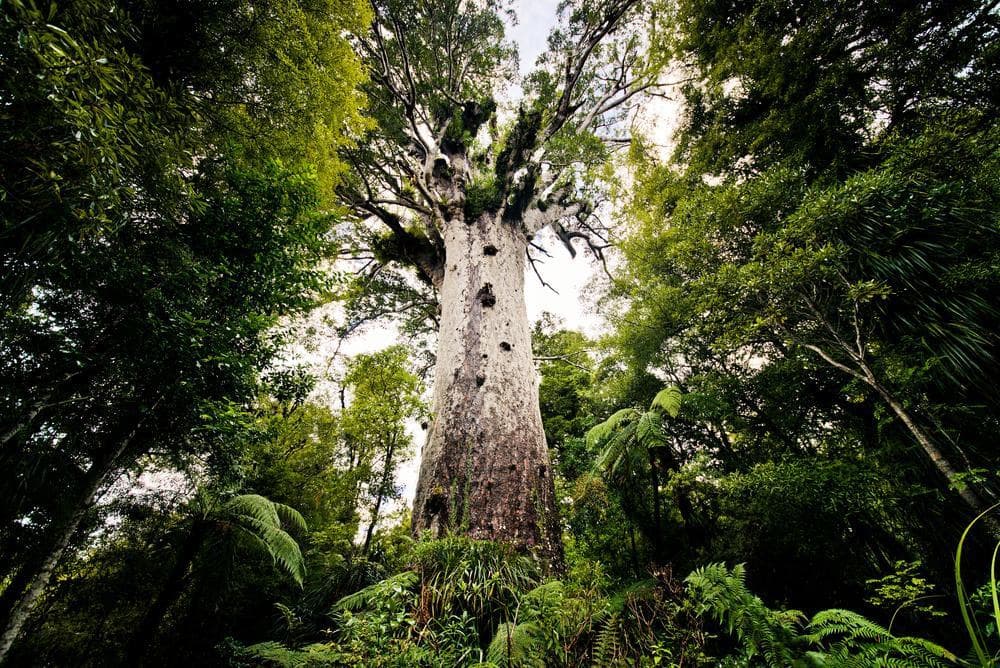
<point x="252" y="251"/>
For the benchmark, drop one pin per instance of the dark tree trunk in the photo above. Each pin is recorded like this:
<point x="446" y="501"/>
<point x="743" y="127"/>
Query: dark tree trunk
<point x="386" y="476"/>
<point x="172" y="589"/>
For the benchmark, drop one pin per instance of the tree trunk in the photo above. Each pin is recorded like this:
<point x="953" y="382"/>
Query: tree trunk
<point x="937" y="458"/>
<point x="485" y="468"/>
<point x="386" y="475"/>
<point x="654" y="482"/>
<point x="38" y="580"/>
<point x="172" y="589"/>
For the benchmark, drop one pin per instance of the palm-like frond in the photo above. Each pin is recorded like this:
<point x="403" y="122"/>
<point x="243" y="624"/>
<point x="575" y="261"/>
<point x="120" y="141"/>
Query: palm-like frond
<point x="291" y="518"/>
<point x="277" y="543"/>
<point x="668" y="400"/>
<point x="599" y="433"/>
<point x="617" y="448"/>
<point x="275" y="654"/>
<point x="261" y="521"/>
<point x="649" y="430"/>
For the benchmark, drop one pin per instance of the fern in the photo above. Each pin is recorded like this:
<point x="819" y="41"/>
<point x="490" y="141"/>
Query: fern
<point x="381" y="594"/>
<point x="260" y="521"/>
<point x="858" y="641"/>
<point x="600" y="433"/>
<point x="668" y="400"/>
<point x="840" y="638"/>
<point x="607" y="648"/>
<point x="724" y="596"/>
<point x="276" y="654"/>
<point x="516" y="645"/>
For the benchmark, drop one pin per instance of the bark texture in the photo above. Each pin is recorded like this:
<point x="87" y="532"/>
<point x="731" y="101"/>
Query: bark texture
<point x="39" y="578"/>
<point x="485" y="469"/>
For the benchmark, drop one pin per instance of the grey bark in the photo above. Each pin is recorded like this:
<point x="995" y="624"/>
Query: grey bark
<point x="866" y="374"/>
<point x="485" y="469"/>
<point x="39" y="580"/>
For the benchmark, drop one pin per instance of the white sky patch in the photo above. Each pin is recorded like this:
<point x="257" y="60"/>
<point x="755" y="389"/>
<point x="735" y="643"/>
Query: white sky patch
<point x="535" y="19"/>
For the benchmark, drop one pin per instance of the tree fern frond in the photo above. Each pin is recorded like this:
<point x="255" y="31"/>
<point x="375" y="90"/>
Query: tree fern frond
<point x="668" y="400"/>
<point x="291" y="518"/>
<point x="253" y="505"/>
<point x="600" y="432"/>
<point x="379" y="593"/>
<point x="649" y="430"/>
<point x="607" y="646"/>
<point x="279" y="545"/>
<point x="544" y="601"/>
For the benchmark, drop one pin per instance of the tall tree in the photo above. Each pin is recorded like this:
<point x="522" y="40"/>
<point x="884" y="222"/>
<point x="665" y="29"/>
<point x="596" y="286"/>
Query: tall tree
<point x="459" y="195"/>
<point x="384" y="396"/>
<point x="848" y="227"/>
<point x="150" y="241"/>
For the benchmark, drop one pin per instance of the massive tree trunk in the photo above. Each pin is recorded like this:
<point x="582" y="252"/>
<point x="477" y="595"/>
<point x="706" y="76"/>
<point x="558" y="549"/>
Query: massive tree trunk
<point x="485" y="468"/>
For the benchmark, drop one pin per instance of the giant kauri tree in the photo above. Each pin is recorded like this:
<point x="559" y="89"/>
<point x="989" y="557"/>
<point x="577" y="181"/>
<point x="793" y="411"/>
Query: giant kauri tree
<point x="459" y="193"/>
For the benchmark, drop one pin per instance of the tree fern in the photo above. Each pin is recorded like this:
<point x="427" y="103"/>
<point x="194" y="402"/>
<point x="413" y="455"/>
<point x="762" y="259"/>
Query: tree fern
<point x="600" y="433"/>
<point x="260" y="520"/>
<point x="668" y="400"/>
<point x="399" y="587"/>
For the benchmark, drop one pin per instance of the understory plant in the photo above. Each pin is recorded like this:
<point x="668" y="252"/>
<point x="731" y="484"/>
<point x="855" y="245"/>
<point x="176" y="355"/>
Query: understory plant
<point x="465" y="602"/>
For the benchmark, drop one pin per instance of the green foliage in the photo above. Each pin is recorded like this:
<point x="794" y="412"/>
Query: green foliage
<point x="831" y="638"/>
<point x="482" y="196"/>
<point x="264" y="521"/>
<point x="399" y="589"/>
<point x="904" y="588"/>
<point x="668" y="400"/>
<point x="762" y="632"/>
<point x="162" y="168"/>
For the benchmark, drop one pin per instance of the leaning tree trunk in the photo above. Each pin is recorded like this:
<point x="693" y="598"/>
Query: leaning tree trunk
<point x="38" y="579"/>
<point x="485" y="468"/>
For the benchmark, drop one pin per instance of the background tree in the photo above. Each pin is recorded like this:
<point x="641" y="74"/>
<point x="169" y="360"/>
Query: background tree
<point x="150" y="241"/>
<point x="385" y="396"/>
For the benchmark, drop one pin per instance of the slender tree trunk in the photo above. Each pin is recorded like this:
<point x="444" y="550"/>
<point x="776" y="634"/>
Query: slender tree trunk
<point x="172" y="589"/>
<point x="863" y="372"/>
<point x="36" y="408"/>
<point x="386" y="475"/>
<point x="60" y="537"/>
<point x="654" y="481"/>
<point x="485" y="468"/>
<point x="937" y="458"/>
<point x="634" y="550"/>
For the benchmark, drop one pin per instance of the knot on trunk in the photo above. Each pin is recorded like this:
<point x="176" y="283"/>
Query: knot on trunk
<point x="490" y="250"/>
<point x="486" y="296"/>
